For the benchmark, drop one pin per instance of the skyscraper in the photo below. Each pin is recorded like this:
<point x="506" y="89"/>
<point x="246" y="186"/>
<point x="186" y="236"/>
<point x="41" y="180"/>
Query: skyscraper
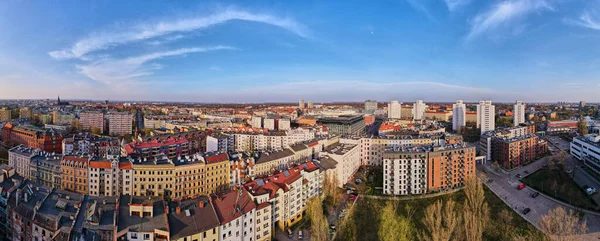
<point x="485" y="116"/>
<point x="301" y="104"/>
<point x="419" y="110"/>
<point x="309" y="104"/>
<point x="459" y="112"/>
<point x="519" y="113"/>
<point x="394" y="110"/>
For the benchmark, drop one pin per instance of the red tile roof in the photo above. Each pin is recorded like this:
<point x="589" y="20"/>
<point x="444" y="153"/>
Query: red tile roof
<point x="75" y="158"/>
<point x="217" y="158"/>
<point x="227" y="205"/>
<point x="125" y="165"/>
<point x="100" y="164"/>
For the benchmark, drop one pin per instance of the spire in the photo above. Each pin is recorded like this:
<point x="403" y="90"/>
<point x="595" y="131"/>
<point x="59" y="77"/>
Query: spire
<point x="59" y="99"/>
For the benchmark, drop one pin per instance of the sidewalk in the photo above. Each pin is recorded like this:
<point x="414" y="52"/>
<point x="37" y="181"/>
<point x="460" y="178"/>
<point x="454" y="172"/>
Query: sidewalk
<point x="411" y="197"/>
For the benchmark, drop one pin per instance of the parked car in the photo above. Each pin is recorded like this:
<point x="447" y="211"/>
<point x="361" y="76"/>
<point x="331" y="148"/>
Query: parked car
<point x="526" y="172"/>
<point x="300" y="237"/>
<point x="490" y="180"/>
<point x="358" y="181"/>
<point x="521" y="186"/>
<point x="518" y="176"/>
<point x="535" y="194"/>
<point x="526" y="211"/>
<point x="290" y="234"/>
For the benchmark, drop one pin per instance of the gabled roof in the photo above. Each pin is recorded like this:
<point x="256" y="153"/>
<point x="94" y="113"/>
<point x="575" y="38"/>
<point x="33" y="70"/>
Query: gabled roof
<point x="216" y="158"/>
<point x="232" y="205"/>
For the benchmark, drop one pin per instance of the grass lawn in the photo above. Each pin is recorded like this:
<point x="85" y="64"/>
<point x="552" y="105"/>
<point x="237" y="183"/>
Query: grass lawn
<point x="363" y="224"/>
<point x="556" y="183"/>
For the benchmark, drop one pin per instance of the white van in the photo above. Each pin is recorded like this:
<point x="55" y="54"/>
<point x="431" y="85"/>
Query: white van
<point x="300" y="235"/>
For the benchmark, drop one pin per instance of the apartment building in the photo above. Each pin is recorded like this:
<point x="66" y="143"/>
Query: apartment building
<point x="20" y="157"/>
<point x="418" y="110"/>
<point x="171" y="147"/>
<point x="422" y="169"/>
<point x="190" y="181"/>
<point x="343" y="160"/>
<point x="459" y="112"/>
<point x="45" y="169"/>
<point x="512" y="152"/>
<point x="120" y="123"/>
<point x="257" y="122"/>
<point x="87" y="143"/>
<point x="74" y="173"/>
<point x="92" y="119"/>
<point x="237" y="215"/>
<point x="194" y="219"/>
<point x="141" y="218"/>
<point x="153" y="176"/>
<point x="217" y="172"/>
<point x="269" y="124"/>
<point x="394" y="110"/>
<point x="104" y="177"/>
<point x="5" y="114"/>
<point x="269" y="161"/>
<point x="518" y="113"/>
<point x="486" y="116"/>
<point x="284" y="124"/>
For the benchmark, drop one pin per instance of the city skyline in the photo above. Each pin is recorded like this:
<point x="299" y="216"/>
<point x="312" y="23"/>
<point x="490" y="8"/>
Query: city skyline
<point x="237" y="52"/>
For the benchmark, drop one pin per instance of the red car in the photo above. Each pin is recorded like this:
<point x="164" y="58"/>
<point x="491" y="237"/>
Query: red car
<point x="521" y="186"/>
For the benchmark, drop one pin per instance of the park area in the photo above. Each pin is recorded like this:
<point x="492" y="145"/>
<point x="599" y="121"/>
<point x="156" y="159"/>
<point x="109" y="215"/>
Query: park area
<point x="363" y="222"/>
<point x="558" y="184"/>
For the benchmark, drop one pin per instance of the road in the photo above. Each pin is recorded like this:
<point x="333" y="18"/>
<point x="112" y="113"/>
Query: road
<point x="504" y="184"/>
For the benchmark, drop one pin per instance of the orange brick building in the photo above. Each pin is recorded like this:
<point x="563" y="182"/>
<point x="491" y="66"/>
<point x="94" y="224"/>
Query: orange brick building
<point x="31" y="136"/>
<point x="74" y="174"/>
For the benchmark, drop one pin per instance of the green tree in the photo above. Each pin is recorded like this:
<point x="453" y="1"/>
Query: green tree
<point x="394" y="227"/>
<point x="319" y="228"/>
<point x="582" y="126"/>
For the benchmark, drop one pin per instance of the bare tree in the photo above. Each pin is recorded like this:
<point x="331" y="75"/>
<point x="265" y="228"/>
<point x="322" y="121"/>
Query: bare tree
<point x="318" y="222"/>
<point x="561" y="225"/>
<point x="476" y="213"/>
<point x="440" y="221"/>
<point x="505" y="218"/>
<point x="394" y="227"/>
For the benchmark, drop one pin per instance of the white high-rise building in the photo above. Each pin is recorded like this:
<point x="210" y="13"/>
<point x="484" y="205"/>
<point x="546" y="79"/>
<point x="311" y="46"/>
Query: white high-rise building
<point x="459" y="111"/>
<point x="269" y="124"/>
<point x="284" y="124"/>
<point x="394" y="110"/>
<point x="309" y="104"/>
<point x="256" y="122"/>
<point x="419" y="110"/>
<point x="485" y="116"/>
<point x="301" y="104"/>
<point x="519" y="113"/>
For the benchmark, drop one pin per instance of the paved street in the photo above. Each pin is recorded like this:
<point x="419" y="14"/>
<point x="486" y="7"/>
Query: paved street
<point x="504" y="184"/>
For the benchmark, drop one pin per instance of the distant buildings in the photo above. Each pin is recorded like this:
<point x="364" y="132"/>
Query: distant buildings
<point x="310" y="104"/>
<point x="561" y="127"/>
<point x="120" y="123"/>
<point x="344" y="125"/>
<point x="370" y="106"/>
<point x="301" y="104"/>
<point x="284" y="124"/>
<point x="459" y="114"/>
<point x="419" y="110"/>
<point x="581" y="104"/>
<point x="269" y="124"/>
<point x="519" y="113"/>
<point x="486" y="116"/>
<point x="394" y="110"/>
<point x="5" y="114"/>
<point x="92" y="119"/>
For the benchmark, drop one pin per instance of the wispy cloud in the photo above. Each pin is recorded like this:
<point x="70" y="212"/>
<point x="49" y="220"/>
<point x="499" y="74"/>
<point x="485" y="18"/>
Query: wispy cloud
<point x="105" y="40"/>
<point x="455" y="4"/>
<point x="420" y="6"/>
<point x="505" y="13"/>
<point x="590" y="18"/>
<point x="117" y="71"/>
<point x="215" y="68"/>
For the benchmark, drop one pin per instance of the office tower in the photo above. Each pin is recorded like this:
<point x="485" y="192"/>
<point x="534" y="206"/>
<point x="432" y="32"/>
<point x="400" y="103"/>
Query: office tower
<point x="459" y="112"/>
<point x="370" y="105"/>
<point x="519" y="113"/>
<point x="394" y="110"/>
<point x="485" y="116"/>
<point x="301" y="104"/>
<point x="419" y="110"/>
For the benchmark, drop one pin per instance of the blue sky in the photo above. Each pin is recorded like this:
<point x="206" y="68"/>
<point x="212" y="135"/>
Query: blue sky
<point x="268" y="51"/>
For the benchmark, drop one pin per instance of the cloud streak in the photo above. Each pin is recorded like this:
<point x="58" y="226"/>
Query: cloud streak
<point x="455" y="4"/>
<point x="419" y="6"/>
<point x="117" y="71"/>
<point x="588" y="19"/>
<point x="505" y="13"/>
<point x="105" y="40"/>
